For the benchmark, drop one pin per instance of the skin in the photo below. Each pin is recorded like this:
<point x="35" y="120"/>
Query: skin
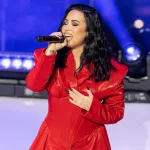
<point x="75" y="26"/>
<point x="74" y="29"/>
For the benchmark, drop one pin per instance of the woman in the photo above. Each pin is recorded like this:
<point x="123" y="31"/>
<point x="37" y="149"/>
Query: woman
<point x="84" y="84"/>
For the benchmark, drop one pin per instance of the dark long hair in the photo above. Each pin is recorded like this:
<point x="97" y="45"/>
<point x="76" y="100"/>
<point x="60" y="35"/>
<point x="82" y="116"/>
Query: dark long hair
<point x="96" y="49"/>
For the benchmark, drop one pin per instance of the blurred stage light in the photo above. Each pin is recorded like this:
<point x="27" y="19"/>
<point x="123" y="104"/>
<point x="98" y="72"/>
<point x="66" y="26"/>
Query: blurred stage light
<point x="16" y="63"/>
<point x="28" y="64"/>
<point x="13" y="70"/>
<point x="135" y="58"/>
<point x="144" y="30"/>
<point x="15" y="66"/>
<point x="5" y="63"/>
<point x="137" y="80"/>
<point x="132" y="53"/>
<point x="138" y="24"/>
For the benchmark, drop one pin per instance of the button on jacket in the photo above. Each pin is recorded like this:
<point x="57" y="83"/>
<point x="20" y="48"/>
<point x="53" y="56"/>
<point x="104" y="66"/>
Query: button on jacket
<point x="67" y="126"/>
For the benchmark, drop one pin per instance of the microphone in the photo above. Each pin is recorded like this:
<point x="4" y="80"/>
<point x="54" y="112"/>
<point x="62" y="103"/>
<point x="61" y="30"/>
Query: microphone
<point x="50" y="39"/>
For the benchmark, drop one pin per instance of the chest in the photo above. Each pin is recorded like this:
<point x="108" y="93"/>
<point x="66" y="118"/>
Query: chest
<point x="65" y="79"/>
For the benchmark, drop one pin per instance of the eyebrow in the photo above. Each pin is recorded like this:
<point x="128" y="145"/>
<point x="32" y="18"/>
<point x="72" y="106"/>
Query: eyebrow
<point x="72" y="20"/>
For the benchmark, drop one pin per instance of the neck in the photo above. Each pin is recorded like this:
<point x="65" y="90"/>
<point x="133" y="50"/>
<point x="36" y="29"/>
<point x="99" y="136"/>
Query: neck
<point x="77" y="52"/>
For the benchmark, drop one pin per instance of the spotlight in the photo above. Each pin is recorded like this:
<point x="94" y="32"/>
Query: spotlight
<point x="132" y="53"/>
<point x="139" y="24"/>
<point x="137" y="57"/>
<point x="134" y="57"/>
<point x="137" y="80"/>
<point x="16" y="63"/>
<point x="5" y="63"/>
<point x="15" y="66"/>
<point x="28" y="64"/>
<point x="13" y="70"/>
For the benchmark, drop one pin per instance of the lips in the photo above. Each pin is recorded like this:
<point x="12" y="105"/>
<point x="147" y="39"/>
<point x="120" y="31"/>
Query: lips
<point x="68" y="36"/>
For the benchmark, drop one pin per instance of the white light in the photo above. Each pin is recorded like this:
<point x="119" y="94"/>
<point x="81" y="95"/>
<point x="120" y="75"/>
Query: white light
<point x="17" y="63"/>
<point x="133" y="53"/>
<point x="138" y="24"/>
<point x="28" y="64"/>
<point x="130" y="50"/>
<point x="6" y="62"/>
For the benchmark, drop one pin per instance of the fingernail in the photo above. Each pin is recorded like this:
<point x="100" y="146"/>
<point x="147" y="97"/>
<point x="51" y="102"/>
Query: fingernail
<point x="67" y="91"/>
<point x="88" y="88"/>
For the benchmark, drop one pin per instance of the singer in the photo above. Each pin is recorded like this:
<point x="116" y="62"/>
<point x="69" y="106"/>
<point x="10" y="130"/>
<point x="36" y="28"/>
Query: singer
<point x="84" y="83"/>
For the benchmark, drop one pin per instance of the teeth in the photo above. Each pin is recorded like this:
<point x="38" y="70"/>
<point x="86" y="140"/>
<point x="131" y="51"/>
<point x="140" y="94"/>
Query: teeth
<point x="67" y="35"/>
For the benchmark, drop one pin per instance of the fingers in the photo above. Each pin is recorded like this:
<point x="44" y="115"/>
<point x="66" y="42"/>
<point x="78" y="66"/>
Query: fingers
<point x="72" y="94"/>
<point x="72" y="101"/>
<point x="79" y="99"/>
<point x="89" y="92"/>
<point x="65" y="43"/>
<point x="57" y="46"/>
<point x="57" y="34"/>
<point x="76" y="92"/>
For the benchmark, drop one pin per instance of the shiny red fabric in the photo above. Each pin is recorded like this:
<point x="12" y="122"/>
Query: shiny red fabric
<point x="66" y="126"/>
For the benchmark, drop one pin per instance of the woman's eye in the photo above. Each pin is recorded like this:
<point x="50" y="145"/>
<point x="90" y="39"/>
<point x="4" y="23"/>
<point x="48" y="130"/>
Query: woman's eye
<point x="75" y="24"/>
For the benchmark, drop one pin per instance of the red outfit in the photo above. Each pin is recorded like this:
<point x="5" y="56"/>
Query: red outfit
<point x="67" y="126"/>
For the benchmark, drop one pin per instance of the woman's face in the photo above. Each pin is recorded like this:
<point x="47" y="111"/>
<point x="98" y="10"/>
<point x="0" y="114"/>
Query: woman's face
<point x="74" y="28"/>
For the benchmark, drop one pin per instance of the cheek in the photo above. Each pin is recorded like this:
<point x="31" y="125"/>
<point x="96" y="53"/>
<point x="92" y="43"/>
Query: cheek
<point x="80" y="33"/>
<point x="81" y="37"/>
<point x="62" y="29"/>
<point x="77" y="40"/>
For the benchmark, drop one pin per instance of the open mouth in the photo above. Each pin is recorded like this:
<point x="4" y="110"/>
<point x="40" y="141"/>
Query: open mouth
<point x="68" y="36"/>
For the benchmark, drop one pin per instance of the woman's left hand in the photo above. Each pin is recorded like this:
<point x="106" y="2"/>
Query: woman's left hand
<point x="79" y="99"/>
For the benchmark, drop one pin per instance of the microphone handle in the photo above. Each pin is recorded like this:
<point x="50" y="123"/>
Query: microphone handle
<point x="50" y="39"/>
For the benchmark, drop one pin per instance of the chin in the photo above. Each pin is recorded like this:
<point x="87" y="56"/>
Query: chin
<point x="69" y="46"/>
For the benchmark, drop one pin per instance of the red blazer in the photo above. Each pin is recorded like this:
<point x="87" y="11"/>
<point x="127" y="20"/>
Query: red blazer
<point x="66" y="126"/>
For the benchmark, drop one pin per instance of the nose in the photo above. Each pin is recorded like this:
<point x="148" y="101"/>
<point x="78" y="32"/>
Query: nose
<point x="66" y="27"/>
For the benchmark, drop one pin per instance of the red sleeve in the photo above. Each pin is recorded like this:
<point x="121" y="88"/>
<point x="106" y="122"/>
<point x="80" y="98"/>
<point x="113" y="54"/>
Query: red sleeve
<point x="39" y="75"/>
<point x="110" y="111"/>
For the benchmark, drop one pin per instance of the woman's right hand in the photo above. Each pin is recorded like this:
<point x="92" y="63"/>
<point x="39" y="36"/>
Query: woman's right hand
<point x="54" y="47"/>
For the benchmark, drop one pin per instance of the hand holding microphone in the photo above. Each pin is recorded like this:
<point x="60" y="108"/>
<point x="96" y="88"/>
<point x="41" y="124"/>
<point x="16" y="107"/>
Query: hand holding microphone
<point x="55" y="41"/>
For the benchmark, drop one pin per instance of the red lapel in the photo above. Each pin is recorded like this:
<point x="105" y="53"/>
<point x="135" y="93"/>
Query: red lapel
<point x="68" y="72"/>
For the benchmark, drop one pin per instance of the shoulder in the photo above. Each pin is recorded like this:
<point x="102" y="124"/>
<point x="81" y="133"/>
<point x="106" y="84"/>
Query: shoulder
<point x="120" y="72"/>
<point x="123" y="69"/>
